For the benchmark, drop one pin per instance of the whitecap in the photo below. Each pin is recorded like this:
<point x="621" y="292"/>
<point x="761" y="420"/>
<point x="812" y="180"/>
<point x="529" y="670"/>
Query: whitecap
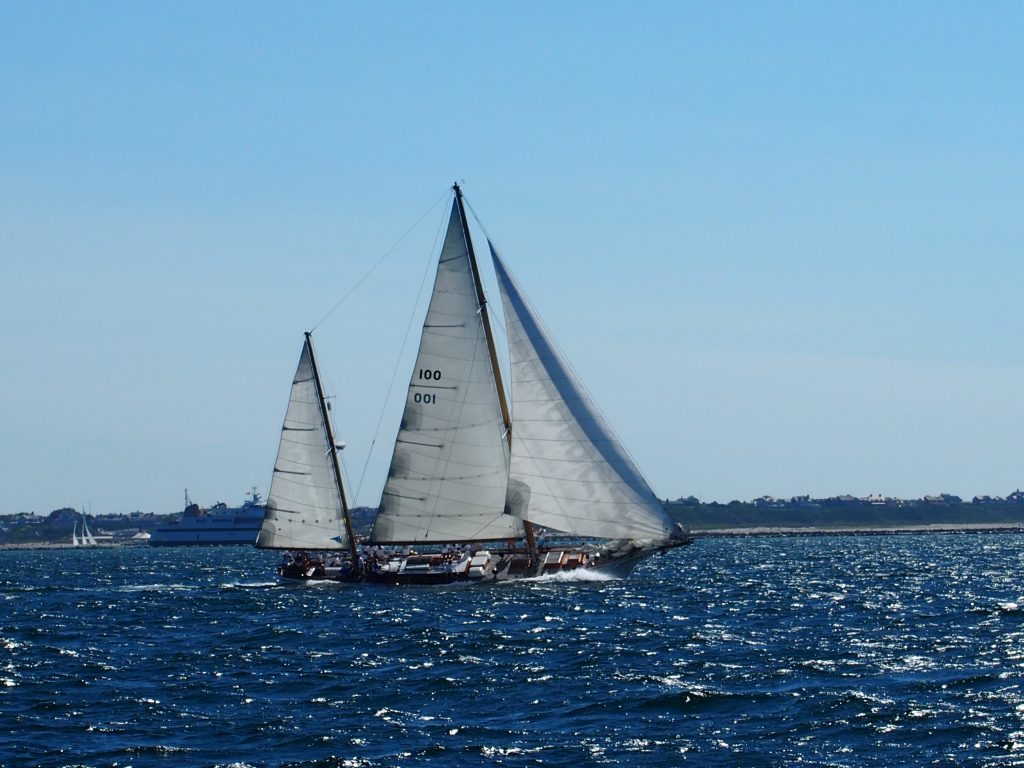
<point x="249" y="584"/>
<point x="507" y="751"/>
<point x="578" y="575"/>
<point x="157" y="588"/>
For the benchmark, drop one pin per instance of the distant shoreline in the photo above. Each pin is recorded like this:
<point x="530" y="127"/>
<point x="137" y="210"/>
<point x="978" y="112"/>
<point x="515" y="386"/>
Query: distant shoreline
<point x="710" y="533"/>
<point x="858" y="530"/>
<point x="62" y="545"/>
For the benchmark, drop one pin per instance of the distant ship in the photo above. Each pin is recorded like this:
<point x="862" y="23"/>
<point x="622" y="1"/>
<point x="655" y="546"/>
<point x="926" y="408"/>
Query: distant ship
<point x="220" y="525"/>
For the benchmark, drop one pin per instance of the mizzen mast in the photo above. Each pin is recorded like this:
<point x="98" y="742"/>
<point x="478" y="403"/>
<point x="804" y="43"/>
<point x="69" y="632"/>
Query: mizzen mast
<point x="353" y="550"/>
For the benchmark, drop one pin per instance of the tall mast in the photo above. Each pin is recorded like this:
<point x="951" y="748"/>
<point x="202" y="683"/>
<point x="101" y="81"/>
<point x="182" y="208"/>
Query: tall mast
<point x="334" y="450"/>
<point x="531" y="543"/>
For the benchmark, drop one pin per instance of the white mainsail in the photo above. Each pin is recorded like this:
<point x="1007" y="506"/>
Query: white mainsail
<point x="74" y="535"/>
<point x="568" y="470"/>
<point x="304" y="508"/>
<point x="449" y="470"/>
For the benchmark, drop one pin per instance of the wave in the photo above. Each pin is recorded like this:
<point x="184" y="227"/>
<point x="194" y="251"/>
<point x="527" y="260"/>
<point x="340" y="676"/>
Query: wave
<point x="249" y="585"/>
<point x="576" y="576"/>
<point x="735" y="650"/>
<point x="159" y="588"/>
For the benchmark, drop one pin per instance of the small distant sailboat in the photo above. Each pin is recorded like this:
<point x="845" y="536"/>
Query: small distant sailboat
<point x="88" y="539"/>
<point x="85" y="539"/>
<point x="470" y="477"/>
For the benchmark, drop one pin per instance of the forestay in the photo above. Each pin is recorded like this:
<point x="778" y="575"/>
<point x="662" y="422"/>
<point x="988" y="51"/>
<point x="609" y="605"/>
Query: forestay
<point x="449" y="470"/>
<point x="304" y="507"/>
<point x="568" y="470"/>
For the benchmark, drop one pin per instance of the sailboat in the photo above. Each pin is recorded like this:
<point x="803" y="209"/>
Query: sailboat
<point x="307" y="508"/>
<point x="85" y="539"/>
<point x="471" y="476"/>
<point x="88" y="540"/>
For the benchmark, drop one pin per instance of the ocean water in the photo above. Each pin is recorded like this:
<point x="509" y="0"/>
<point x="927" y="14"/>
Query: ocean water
<point x="824" y="651"/>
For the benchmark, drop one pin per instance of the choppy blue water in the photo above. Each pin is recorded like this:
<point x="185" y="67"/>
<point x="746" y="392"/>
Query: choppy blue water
<point x="838" y="651"/>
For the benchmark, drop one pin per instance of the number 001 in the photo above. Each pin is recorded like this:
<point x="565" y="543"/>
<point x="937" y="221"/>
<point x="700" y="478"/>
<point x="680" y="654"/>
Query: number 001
<point x="430" y="375"/>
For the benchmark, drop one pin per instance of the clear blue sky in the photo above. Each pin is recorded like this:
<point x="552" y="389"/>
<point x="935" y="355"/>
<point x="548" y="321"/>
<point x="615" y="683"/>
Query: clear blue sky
<point x="781" y="242"/>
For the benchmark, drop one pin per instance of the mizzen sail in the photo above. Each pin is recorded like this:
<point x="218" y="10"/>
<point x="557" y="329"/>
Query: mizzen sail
<point x="304" y="508"/>
<point x="568" y="470"/>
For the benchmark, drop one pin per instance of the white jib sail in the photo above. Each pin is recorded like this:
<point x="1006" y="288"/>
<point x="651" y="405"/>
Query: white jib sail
<point x="568" y="470"/>
<point x="304" y="508"/>
<point x="449" y="470"/>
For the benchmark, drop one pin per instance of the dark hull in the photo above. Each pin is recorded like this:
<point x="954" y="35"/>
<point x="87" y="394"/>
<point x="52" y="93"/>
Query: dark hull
<point x="485" y="567"/>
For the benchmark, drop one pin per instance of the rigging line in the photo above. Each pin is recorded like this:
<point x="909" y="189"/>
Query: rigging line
<point x="380" y="261"/>
<point x="504" y="360"/>
<point x="401" y="352"/>
<point x="484" y="526"/>
<point x="345" y="479"/>
<point x="476" y="218"/>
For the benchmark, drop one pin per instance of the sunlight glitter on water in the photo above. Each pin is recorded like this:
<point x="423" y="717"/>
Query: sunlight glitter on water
<point x="887" y="650"/>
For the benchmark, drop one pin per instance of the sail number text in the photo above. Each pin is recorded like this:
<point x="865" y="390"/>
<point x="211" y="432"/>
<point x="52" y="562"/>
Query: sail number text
<point x="426" y="374"/>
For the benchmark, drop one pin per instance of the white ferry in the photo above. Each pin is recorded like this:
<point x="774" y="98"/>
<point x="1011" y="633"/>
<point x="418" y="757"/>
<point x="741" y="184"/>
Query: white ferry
<point x="219" y="525"/>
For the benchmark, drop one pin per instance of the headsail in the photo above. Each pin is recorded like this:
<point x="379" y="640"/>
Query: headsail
<point x="305" y="508"/>
<point x="449" y="470"/>
<point x="568" y="470"/>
